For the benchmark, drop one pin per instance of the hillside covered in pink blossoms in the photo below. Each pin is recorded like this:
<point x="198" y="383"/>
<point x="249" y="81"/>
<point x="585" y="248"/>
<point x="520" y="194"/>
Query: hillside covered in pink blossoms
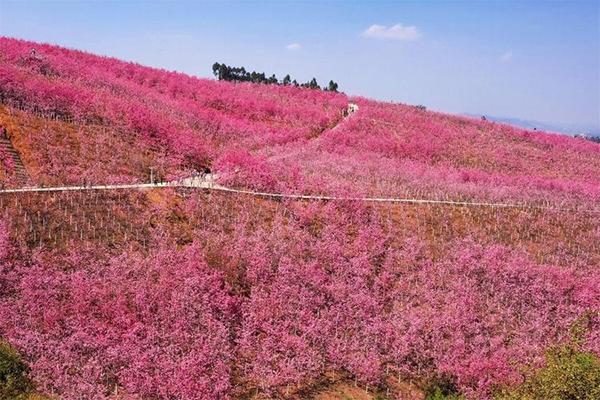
<point x="174" y="293"/>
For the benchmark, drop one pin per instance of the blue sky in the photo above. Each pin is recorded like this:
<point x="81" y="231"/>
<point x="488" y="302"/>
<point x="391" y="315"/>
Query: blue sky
<point x="529" y="60"/>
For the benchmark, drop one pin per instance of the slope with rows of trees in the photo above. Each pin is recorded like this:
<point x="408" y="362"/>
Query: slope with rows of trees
<point x="191" y="294"/>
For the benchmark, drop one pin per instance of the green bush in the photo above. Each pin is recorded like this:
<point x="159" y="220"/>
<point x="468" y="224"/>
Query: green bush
<point x="442" y="388"/>
<point x="569" y="374"/>
<point x="14" y="382"/>
<point x="439" y="394"/>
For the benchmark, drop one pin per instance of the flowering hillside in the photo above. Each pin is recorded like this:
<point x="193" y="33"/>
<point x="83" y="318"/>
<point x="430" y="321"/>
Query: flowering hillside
<point x="399" y="150"/>
<point x="183" y="122"/>
<point x="173" y="293"/>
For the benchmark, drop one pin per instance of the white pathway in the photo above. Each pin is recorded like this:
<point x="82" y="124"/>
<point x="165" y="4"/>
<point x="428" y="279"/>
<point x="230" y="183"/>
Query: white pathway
<point x="208" y="182"/>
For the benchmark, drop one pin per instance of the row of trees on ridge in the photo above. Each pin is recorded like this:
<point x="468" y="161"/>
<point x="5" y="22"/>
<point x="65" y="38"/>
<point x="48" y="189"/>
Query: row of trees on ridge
<point x="239" y="74"/>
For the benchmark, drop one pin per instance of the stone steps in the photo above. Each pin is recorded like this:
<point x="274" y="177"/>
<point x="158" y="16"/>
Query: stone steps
<point x="19" y="171"/>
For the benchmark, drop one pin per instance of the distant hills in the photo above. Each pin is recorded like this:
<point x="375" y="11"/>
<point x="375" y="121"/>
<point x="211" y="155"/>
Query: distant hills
<point x="569" y="129"/>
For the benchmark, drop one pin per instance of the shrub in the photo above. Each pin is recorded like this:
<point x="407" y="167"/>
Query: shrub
<point x="568" y="374"/>
<point x="14" y="382"/>
<point x="443" y="389"/>
<point x="438" y="394"/>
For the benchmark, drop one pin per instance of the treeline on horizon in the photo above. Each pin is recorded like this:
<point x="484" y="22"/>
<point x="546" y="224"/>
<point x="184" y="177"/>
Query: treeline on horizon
<point x="589" y="137"/>
<point x="224" y="72"/>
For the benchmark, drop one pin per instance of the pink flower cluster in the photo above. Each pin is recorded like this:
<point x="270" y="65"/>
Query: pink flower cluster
<point x="155" y="327"/>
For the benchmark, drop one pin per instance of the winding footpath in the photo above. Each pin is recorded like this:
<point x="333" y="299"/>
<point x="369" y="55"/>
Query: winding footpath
<point x="209" y="182"/>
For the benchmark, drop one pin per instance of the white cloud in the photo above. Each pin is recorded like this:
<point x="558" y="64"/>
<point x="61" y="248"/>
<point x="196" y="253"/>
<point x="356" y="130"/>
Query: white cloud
<point x="507" y="56"/>
<point x="293" y="46"/>
<point x="397" y="32"/>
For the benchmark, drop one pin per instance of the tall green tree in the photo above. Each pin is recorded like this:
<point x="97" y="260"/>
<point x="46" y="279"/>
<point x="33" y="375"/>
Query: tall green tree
<point x="215" y="69"/>
<point x="332" y="87"/>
